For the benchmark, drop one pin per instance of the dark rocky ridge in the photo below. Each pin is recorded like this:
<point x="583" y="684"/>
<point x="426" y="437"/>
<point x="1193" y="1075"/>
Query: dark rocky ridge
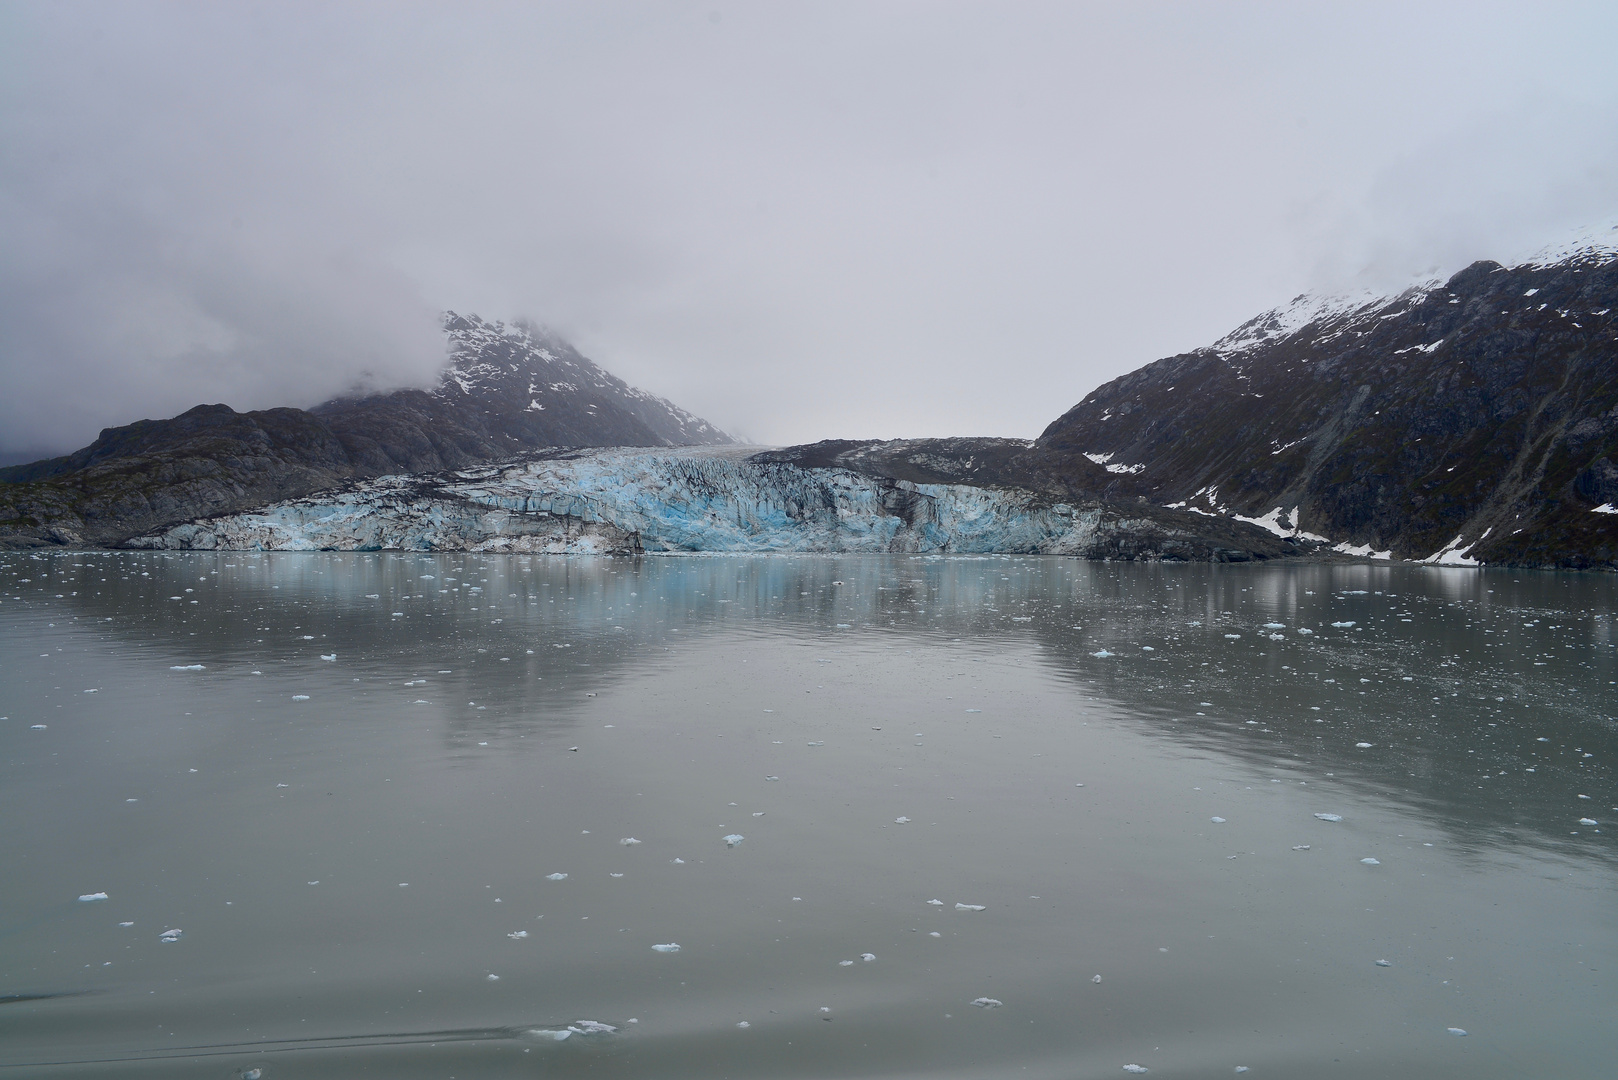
<point x="1484" y="408"/>
<point x="505" y="390"/>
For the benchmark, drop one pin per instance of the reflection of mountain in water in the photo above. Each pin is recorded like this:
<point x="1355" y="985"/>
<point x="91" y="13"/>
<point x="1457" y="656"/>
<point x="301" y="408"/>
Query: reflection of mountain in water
<point x="1451" y="676"/>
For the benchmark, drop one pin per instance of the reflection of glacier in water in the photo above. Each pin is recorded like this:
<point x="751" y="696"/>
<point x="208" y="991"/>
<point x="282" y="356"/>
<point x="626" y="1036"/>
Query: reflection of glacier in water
<point x="930" y="765"/>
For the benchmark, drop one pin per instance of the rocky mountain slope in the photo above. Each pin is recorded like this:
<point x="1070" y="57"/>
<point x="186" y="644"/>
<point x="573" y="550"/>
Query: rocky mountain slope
<point x="506" y="388"/>
<point x="1470" y="420"/>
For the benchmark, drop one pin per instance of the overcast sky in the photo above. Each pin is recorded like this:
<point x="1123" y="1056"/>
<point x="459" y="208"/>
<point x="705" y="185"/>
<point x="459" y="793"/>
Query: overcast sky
<point x="799" y="220"/>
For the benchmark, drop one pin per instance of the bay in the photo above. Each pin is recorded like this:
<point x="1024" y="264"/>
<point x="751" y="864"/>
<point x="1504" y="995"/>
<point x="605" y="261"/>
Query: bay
<point x="351" y="781"/>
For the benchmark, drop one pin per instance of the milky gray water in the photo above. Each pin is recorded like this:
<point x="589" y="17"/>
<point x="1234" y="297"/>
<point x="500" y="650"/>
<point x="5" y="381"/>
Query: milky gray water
<point x="430" y="816"/>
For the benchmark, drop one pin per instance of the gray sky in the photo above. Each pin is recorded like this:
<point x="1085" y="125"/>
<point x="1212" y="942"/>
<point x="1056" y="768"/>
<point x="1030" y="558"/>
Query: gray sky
<point x="800" y="221"/>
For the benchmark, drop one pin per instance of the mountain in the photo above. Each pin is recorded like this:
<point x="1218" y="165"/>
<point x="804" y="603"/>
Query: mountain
<point x="1464" y="421"/>
<point x="505" y="389"/>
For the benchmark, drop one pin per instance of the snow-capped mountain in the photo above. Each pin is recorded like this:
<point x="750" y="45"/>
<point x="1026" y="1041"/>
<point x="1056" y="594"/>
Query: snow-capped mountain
<point x="1467" y="420"/>
<point x="505" y="389"/>
<point x="521" y="368"/>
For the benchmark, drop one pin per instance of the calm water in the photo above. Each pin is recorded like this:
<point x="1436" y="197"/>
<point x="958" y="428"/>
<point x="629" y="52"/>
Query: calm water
<point x="358" y="810"/>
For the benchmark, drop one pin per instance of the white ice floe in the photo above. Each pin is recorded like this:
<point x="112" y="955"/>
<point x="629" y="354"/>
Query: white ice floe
<point x="1582" y="821"/>
<point x="1384" y="963"/>
<point x="901" y="821"/>
<point x="1457" y="1031"/>
<point x="733" y="839"/>
<point x="91" y="897"/>
<point x="555" y="877"/>
<point x="1102" y="655"/>
<point x="492" y="977"/>
<point x="987" y="1002"/>
<point x="185" y="667"/>
<point x="1133" y="1068"/>
<point x="936" y="903"/>
<point x="1330" y="817"/>
<point x="1363" y="745"/>
<point x="629" y="841"/>
<point x="867" y="956"/>
<point x="1371" y="862"/>
<point x="300" y="697"/>
<point x="1096" y="979"/>
<point x="170" y="936"/>
<point x="1217" y="820"/>
<point x="845" y="963"/>
<point x="670" y="947"/>
<point x="328" y="656"/>
<point x="969" y="907"/>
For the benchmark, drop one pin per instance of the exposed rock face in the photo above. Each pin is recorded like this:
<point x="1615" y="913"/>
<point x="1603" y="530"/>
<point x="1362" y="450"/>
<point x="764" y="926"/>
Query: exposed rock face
<point x="631" y="501"/>
<point x="506" y="389"/>
<point x="1475" y="419"/>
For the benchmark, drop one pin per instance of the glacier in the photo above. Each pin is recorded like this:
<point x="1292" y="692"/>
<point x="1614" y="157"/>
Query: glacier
<point x="699" y="499"/>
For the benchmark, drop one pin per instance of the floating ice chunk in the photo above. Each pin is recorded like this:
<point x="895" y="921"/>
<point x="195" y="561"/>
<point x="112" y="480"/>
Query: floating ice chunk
<point x="733" y="839"/>
<point x="1300" y="847"/>
<point x="555" y="877"/>
<point x="1102" y="655"/>
<point x="974" y="710"/>
<point x="987" y="1002"/>
<point x="1278" y="637"/>
<point x="185" y="667"/>
<point x="743" y="1024"/>
<point x="845" y="963"/>
<point x="36" y="727"/>
<point x="1363" y="745"/>
<point x="1301" y="630"/>
<point x="1371" y="862"/>
<point x="328" y="656"/>
<point x="901" y="821"/>
<point x="772" y="778"/>
<point x="629" y="841"/>
<point x="300" y="697"/>
<point x="1384" y="963"/>
<point x="591" y="1027"/>
<point x="308" y="637"/>
<point x="1457" y="1031"/>
<point x="126" y="924"/>
<point x="1344" y="625"/>
<point x="867" y="956"/>
<point x="91" y="897"/>
<point x="934" y="933"/>
<point x="677" y="862"/>
<point x="1133" y="1068"/>
<point x="170" y="935"/>
<point x="492" y="977"/>
<point x="1217" y="820"/>
<point x="969" y="907"/>
<point x="1330" y="817"/>
<point x="670" y="947"/>
<point x="1232" y="637"/>
<point x="1096" y="979"/>
<point x="1275" y="626"/>
<point x="936" y="903"/>
<point x="1582" y="821"/>
<point x="1242" y="1068"/>
<point x="517" y="935"/>
<point x="817" y="744"/>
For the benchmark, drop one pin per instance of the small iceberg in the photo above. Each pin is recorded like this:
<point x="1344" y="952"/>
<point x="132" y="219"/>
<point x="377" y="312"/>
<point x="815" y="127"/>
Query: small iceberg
<point x="88" y="898"/>
<point x="733" y="839"/>
<point x="1330" y="817"/>
<point x="987" y="1002"/>
<point x="670" y="947"/>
